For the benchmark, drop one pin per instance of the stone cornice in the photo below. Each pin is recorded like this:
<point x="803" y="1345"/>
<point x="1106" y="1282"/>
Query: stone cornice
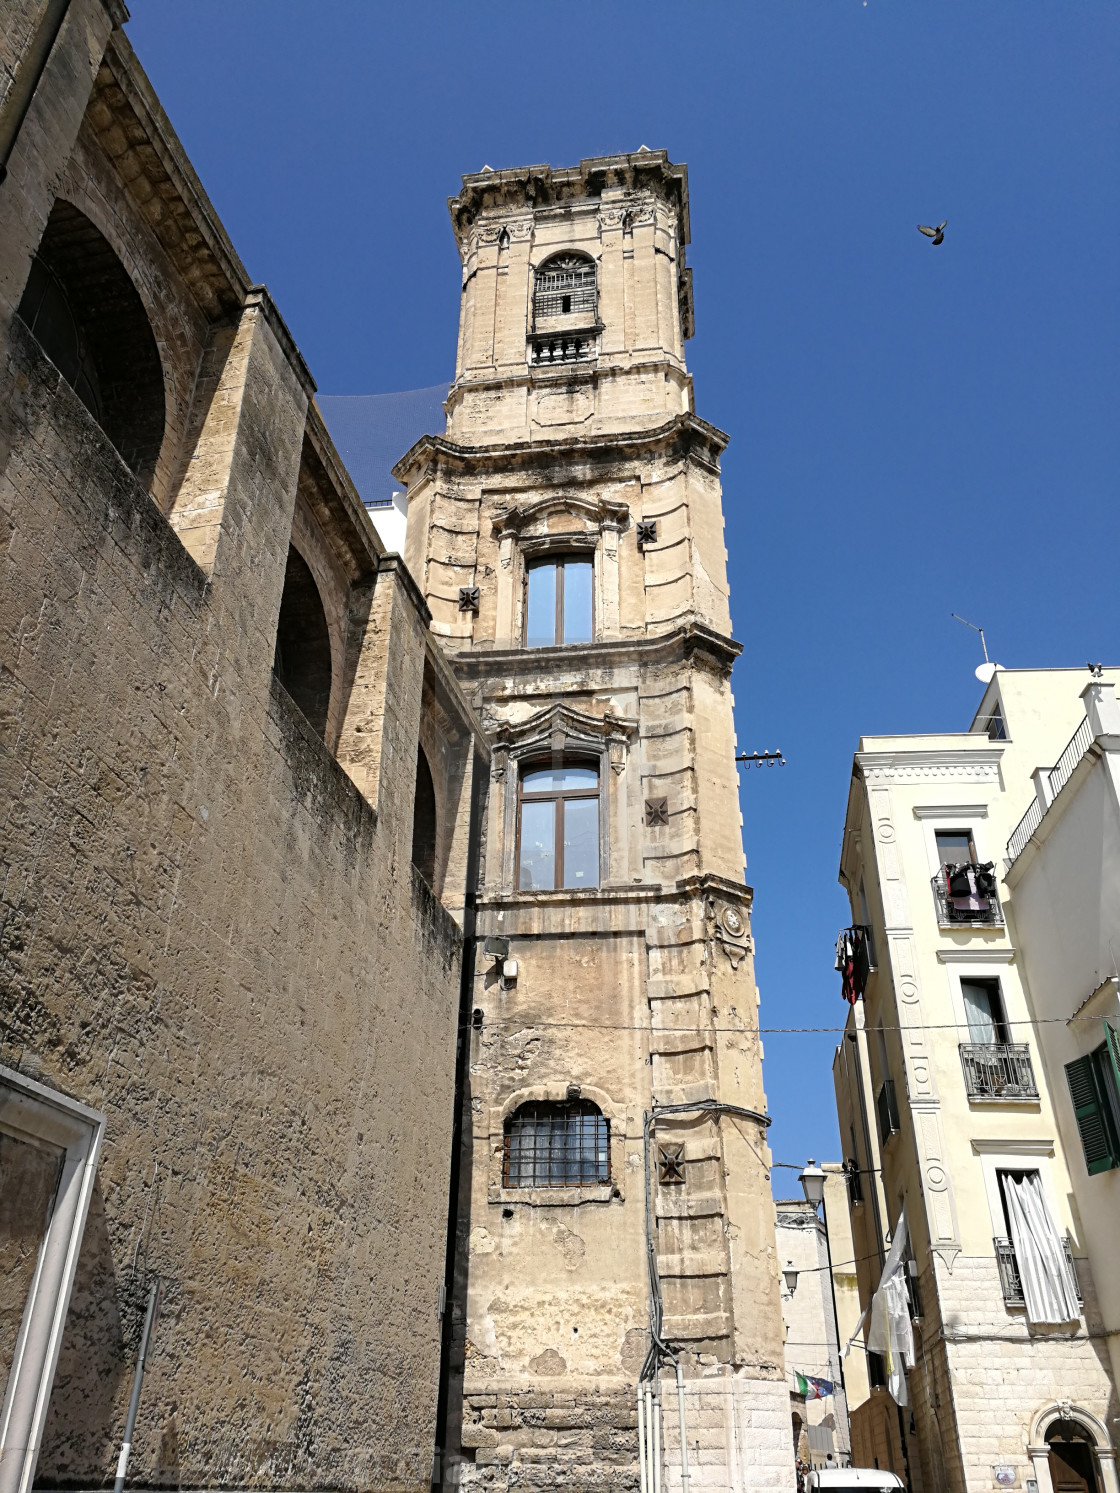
<point x="931" y="765"/>
<point x="669" y="647"/>
<point x="541" y="186"/>
<point x="689" y="433"/>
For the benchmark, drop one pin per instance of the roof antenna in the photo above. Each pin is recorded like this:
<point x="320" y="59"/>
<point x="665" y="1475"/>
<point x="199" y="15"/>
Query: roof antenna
<point x="986" y="671"/>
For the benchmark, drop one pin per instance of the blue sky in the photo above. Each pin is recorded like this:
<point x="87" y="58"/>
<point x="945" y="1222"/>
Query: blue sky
<point x="914" y="430"/>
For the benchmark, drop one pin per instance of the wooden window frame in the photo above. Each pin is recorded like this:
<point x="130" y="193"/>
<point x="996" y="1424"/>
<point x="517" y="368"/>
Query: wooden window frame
<point x="559" y="796"/>
<point x="557" y="562"/>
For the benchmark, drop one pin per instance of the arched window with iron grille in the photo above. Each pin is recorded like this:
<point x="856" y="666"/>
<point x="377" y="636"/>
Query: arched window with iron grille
<point x="556" y="1144"/>
<point x="565" y="286"/>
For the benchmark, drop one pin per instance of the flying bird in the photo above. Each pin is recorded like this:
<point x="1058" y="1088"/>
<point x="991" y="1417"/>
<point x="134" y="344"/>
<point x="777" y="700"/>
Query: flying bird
<point x="936" y="234"/>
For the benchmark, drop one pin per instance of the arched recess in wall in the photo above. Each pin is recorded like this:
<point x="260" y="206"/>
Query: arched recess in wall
<point x="303" y="643"/>
<point x="424" y="820"/>
<point x="87" y="316"/>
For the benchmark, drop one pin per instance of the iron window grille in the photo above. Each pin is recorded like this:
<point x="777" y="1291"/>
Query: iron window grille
<point x="1010" y="1280"/>
<point x="562" y="1144"/>
<point x="565" y="286"/>
<point x="998" y="1070"/>
<point x="886" y="1106"/>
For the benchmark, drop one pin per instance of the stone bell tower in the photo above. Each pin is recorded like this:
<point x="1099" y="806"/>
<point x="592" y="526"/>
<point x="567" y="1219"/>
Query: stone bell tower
<point x="615" y="1213"/>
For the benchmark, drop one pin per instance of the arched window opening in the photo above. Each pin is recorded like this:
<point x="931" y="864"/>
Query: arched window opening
<point x="303" y="643"/>
<point x="1073" y="1457"/>
<point x="558" y="826"/>
<point x="565" y="286"/>
<point x="565" y="1144"/>
<point x="84" y="311"/>
<point x="424" y="821"/>
<point x="558" y="602"/>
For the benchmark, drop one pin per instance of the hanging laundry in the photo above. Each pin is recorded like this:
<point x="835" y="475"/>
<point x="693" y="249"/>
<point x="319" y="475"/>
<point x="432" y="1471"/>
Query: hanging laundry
<point x="891" y="1334"/>
<point x="853" y="960"/>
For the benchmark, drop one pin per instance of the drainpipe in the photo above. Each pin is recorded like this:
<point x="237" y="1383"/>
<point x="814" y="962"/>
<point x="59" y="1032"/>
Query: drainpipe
<point x="684" y="1441"/>
<point x="479" y="778"/>
<point x="643" y="1475"/>
<point x="29" y="73"/>
<point x="137" y="1386"/>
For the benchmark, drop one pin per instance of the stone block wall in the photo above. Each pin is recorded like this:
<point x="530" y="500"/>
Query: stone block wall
<point x="210" y="928"/>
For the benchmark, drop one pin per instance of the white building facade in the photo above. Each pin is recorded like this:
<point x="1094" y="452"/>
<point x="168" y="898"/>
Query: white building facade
<point x="953" y="1118"/>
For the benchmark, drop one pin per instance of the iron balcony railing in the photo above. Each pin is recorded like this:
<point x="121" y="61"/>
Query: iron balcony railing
<point x="1011" y="1282"/>
<point x="998" y="1070"/>
<point x="1057" y="778"/>
<point x="989" y="914"/>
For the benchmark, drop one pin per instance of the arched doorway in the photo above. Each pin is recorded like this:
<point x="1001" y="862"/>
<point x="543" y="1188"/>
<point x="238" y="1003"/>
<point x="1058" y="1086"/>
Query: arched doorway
<point x="1073" y="1457"/>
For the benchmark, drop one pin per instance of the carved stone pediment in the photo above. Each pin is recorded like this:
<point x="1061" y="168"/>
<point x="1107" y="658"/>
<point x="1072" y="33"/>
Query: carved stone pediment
<point x="529" y="522"/>
<point x="562" y="728"/>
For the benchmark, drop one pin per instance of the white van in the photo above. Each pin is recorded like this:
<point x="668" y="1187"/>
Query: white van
<point x="853" y="1477"/>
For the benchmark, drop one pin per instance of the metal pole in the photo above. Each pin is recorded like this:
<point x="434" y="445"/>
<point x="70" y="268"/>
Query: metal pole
<point x="643" y="1480"/>
<point x="137" y="1385"/>
<point x="656" y="1438"/>
<point x="684" y="1439"/>
<point x="832" y="1288"/>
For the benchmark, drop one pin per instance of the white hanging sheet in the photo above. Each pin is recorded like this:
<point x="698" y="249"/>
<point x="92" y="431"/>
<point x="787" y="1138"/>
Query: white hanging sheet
<point x="890" y="1333"/>
<point x="1049" y="1291"/>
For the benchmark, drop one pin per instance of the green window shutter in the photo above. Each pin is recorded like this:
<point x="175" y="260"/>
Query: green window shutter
<point x="1112" y="1043"/>
<point x="1092" y="1122"/>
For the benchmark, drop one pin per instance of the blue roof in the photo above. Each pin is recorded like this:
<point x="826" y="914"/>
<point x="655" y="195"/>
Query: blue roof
<point x="373" y="431"/>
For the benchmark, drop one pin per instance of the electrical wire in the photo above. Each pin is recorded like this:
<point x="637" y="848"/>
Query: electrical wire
<point x="523" y="1023"/>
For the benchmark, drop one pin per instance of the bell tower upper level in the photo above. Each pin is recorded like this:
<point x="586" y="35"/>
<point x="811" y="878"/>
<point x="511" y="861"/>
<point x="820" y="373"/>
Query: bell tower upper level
<point x="576" y="299"/>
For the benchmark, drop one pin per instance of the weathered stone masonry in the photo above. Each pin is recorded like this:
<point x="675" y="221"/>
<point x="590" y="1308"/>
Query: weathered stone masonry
<point x="210" y="927"/>
<point x="571" y="438"/>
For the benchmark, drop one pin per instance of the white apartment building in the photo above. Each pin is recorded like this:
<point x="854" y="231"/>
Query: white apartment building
<point x="1064" y="878"/>
<point x="955" y="1120"/>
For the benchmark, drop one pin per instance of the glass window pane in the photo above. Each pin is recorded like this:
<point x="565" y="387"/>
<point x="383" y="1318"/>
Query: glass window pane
<point x="581" y="842"/>
<point x="562" y="775"/>
<point x="540" y="630"/>
<point x="978" y="1009"/>
<point x="577" y="601"/>
<point x="954" y="847"/>
<point x="538" y="846"/>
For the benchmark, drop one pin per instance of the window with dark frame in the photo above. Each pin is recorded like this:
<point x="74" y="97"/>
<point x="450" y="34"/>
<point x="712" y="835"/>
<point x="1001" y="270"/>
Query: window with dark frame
<point x="556" y="1144"/>
<point x="558" y="826"/>
<point x="565" y="286"/>
<point x="984" y="1011"/>
<point x="558" y="602"/>
<point x="955" y="847"/>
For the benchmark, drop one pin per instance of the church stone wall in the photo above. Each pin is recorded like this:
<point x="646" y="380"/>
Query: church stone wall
<point x="210" y="929"/>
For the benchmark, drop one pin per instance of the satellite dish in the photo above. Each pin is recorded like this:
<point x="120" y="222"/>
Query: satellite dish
<point x="986" y="672"/>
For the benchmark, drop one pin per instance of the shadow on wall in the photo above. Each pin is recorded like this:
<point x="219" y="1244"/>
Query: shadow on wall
<point x="303" y="643"/>
<point x="424" y="825"/>
<point x="98" y="1349"/>
<point x="86" y="315"/>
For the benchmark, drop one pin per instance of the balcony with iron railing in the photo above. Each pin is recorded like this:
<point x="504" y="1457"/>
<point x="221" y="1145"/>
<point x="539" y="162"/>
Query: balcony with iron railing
<point x="985" y="913"/>
<point x="1010" y="1280"/>
<point x="569" y="347"/>
<point x="1054" y="780"/>
<point x="998" y="1070"/>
